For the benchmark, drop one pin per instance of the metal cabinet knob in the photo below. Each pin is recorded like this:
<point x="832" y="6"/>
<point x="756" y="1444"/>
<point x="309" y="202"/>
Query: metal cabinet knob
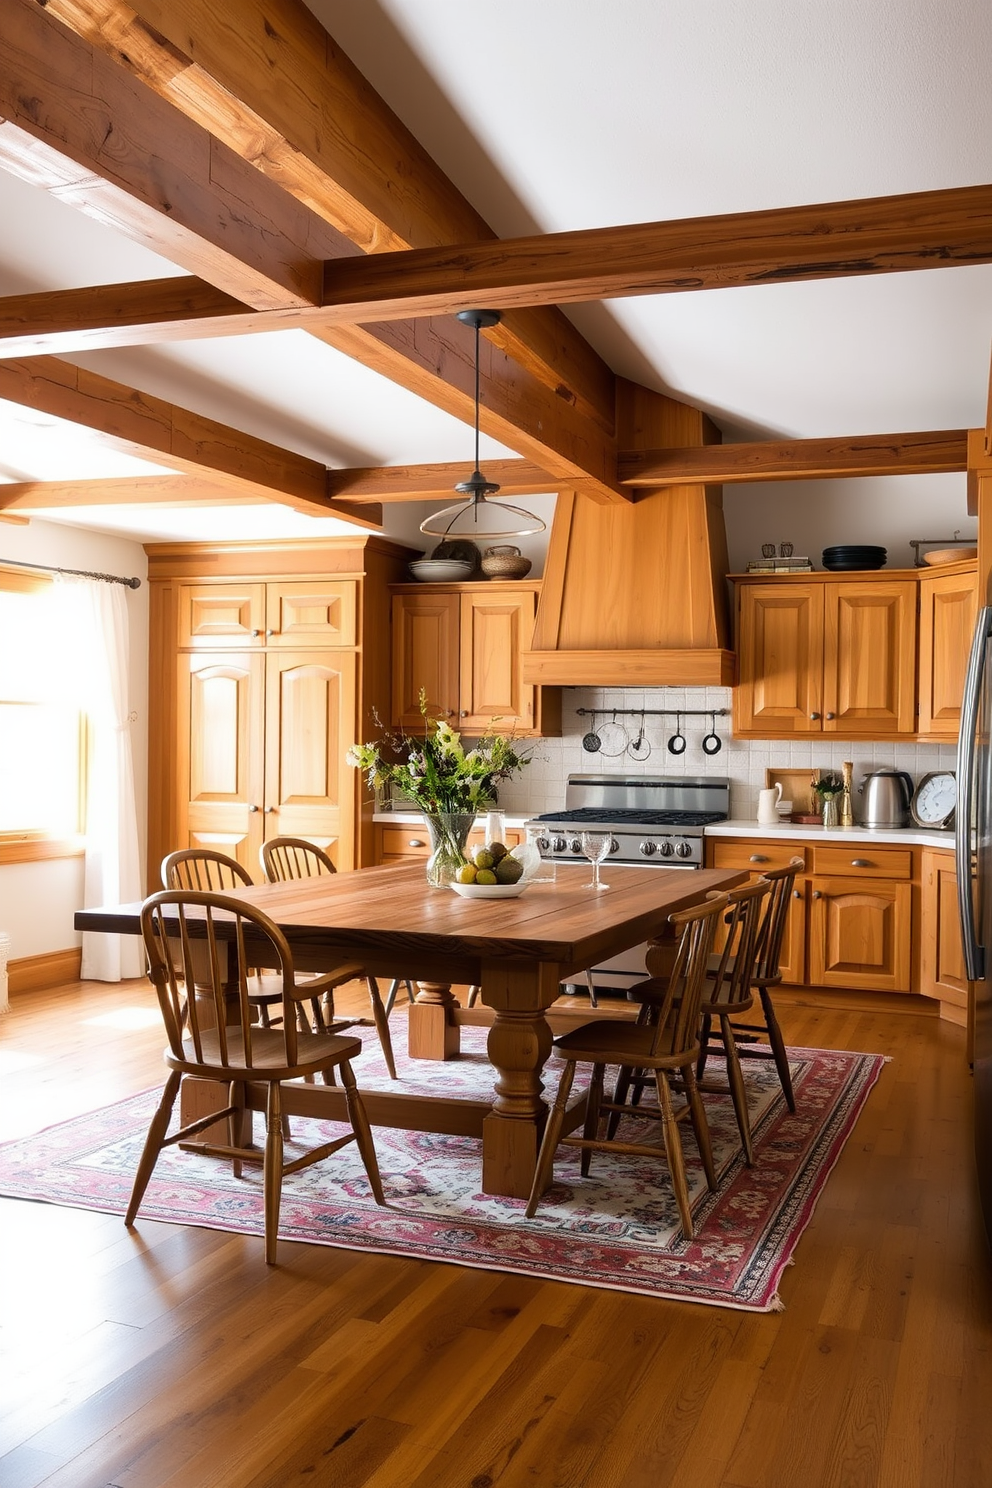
<point x="757" y="858"/>
<point x="268" y="810"/>
<point x="252" y="808"/>
<point x="814" y="716"/>
<point x="256" y="632"/>
<point x="831" y="715"/>
<point x="860" y="863"/>
<point x="416" y="842"/>
<point x="270" y="632"/>
<point x="797" y="893"/>
<point x="817" y="894"/>
<point x="463" y="713"/>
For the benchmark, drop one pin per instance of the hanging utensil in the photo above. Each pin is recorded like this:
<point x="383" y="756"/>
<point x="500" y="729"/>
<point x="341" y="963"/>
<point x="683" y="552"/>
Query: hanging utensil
<point x="677" y="743"/>
<point x="591" y="742"/>
<point x="712" y="743"/>
<point x="639" y="749"/>
<point x="613" y="738"/>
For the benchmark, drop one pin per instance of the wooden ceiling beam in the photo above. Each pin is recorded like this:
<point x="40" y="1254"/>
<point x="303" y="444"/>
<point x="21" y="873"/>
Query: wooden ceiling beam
<point x="127" y="490"/>
<point x="918" y="453"/>
<point x="166" y="434"/>
<point x="395" y="483"/>
<point x="265" y="77"/>
<point x="170" y="184"/>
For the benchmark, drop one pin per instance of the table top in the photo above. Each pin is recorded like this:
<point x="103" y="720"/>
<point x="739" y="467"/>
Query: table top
<point x="378" y="912"/>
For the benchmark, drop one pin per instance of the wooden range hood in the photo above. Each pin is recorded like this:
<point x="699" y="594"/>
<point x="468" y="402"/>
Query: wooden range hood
<point x="635" y="594"/>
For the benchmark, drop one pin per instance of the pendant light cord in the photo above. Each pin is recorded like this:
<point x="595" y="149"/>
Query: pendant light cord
<point x="478" y="393"/>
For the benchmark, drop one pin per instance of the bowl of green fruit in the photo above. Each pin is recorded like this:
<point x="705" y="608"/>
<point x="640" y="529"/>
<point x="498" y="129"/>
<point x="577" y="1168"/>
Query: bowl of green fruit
<point x="492" y="872"/>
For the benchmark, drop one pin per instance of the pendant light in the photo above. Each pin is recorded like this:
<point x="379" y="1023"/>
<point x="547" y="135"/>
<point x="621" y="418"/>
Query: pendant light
<point x="478" y="516"/>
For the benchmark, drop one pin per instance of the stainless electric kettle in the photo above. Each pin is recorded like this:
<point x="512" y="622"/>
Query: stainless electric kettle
<point x="887" y="794"/>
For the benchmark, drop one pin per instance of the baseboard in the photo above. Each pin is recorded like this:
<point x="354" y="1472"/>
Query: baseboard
<point x="39" y="973"/>
<point x="857" y="1001"/>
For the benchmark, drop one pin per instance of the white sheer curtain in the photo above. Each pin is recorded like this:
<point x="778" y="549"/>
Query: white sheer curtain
<point x="96" y="655"/>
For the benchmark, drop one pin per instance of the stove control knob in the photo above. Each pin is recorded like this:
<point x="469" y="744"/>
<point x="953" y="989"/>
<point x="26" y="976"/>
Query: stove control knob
<point x="683" y="849"/>
<point x="647" y="849"/>
<point x="542" y="844"/>
<point x="559" y="845"/>
<point x="575" y="845"/>
<point x="614" y="845"/>
<point x="665" y="847"/>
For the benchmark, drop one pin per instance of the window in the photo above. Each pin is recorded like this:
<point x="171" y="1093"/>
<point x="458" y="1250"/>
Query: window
<point x="41" y="726"/>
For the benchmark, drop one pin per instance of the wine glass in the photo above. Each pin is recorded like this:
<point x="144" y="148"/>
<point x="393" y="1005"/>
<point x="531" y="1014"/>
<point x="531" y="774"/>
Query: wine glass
<point x="596" y="847"/>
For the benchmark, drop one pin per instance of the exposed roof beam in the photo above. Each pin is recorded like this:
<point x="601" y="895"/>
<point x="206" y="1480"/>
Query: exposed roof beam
<point x="924" y="453"/>
<point x="389" y="483"/>
<point x="268" y="80"/>
<point x="139" y="490"/>
<point x="153" y="429"/>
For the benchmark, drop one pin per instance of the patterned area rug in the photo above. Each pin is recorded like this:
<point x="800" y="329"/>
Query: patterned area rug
<point x="617" y="1228"/>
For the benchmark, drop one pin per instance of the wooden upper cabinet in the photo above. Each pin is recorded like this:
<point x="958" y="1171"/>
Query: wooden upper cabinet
<point x="494" y="631"/>
<point x="319" y="613"/>
<point x="221" y="615"/>
<point x="821" y="656"/>
<point x="948" y="604"/>
<point x="869" y="662"/>
<point x="463" y="646"/>
<point x="425" y="657"/>
<point x="780" y="646"/>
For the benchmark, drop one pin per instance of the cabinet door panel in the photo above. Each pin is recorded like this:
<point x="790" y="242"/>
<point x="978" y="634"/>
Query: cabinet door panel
<point x="425" y="657"/>
<point x="947" y="619"/>
<point x="494" y="631"/>
<point x="222" y="615"/>
<point x="318" y="613"/>
<point x="310" y="721"/>
<point x="780" y="649"/>
<point x="942" y="970"/>
<point x="860" y="934"/>
<point x="220" y="748"/>
<point x="869" y="665"/>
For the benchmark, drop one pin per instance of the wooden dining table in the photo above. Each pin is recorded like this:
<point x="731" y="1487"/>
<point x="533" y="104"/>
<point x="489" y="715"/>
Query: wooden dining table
<point x="518" y="951"/>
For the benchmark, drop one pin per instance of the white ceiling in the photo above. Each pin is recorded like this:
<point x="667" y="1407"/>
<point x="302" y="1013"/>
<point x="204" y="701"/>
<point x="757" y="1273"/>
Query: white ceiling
<point x="575" y="113"/>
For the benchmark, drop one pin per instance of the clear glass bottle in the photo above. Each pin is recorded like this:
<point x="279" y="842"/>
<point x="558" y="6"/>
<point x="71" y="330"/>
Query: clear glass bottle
<point x="539" y="865"/>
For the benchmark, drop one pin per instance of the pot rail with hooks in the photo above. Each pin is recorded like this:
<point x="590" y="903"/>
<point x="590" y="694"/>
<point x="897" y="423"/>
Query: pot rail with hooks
<point x="640" y="749"/>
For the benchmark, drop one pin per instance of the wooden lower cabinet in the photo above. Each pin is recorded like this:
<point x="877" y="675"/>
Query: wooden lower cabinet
<point x="860" y="934"/>
<point x="942" y="970"/>
<point x="407" y="842"/>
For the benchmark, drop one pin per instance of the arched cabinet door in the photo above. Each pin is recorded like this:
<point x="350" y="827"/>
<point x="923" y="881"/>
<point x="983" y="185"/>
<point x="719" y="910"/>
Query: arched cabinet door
<point x="220" y="744"/>
<point x="860" y="934"/>
<point x="309" y="727"/>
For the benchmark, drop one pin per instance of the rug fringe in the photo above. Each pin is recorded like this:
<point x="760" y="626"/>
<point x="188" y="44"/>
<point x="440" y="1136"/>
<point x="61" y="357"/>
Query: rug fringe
<point x="776" y="1304"/>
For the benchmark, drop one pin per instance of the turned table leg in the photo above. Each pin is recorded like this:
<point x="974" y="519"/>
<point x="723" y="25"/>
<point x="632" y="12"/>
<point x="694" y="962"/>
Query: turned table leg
<point x="432" y="1031"/>
<point x="519" y="1044"/>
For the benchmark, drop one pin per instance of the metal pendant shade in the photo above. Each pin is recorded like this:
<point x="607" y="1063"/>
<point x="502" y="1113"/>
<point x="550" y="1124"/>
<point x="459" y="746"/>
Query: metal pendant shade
<point x="478" y="515"/>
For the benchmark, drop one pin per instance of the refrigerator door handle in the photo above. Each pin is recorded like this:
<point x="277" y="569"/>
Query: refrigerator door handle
<point x="974" y="952"/>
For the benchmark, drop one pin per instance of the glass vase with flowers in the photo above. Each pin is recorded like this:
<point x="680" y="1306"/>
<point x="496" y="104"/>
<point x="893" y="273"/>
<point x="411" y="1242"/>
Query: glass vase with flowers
<point x="447" y="781"/>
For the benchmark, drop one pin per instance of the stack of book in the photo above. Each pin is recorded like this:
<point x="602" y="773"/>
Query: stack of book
<point x="780" y="565"/>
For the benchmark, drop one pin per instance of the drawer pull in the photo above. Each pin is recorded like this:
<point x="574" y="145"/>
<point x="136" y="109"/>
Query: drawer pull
<point x="860" y="863"/>
<point x="757" y="858"/>
<point x="416" y="842"/>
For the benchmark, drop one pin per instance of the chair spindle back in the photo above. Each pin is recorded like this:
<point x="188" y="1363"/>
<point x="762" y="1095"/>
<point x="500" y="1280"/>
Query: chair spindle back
<point x="695" y="929"/>
<point x="286" y="858"/>
<point x="203" y="869"/>
<point x="772" y="932"/>
<point x="736" y="968"/>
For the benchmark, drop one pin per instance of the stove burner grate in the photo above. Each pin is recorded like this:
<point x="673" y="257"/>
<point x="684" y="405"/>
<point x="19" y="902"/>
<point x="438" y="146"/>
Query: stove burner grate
<point x="631" y="816"/>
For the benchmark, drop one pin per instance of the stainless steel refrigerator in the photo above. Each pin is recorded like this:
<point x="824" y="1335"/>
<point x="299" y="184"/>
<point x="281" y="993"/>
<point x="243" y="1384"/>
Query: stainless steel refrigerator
<point x="973" y="846"/>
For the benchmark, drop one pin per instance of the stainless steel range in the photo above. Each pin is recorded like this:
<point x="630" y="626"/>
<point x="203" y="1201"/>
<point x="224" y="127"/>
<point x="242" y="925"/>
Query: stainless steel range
<point x="654" y="821"/>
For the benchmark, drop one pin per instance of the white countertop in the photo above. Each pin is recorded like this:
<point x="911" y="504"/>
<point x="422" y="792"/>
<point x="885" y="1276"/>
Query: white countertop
<point x="795" y="831"/>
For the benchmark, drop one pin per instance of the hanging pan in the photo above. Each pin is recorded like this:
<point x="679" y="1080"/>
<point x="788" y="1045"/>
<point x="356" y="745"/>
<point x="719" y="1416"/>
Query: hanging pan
<point x="613" y="738"/>
<point x="676" y="744"/>
<point x="639" y="748"/>
<point x="591" y="742"/>
<point x="712" y="743"/>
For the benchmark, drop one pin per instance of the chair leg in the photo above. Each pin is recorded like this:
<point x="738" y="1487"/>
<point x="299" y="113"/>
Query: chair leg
<point x="697" y="1115"/>
<point x="272" y="1170"/>
<point x="594" y="1101"/>
<point x="552" y="1133"/>
<point x="394" y="988"/>
<point x="381" y="1019"/>
<point x="363" y="1131"/>
<point x="673" y="1151"/>
<point x="473" y="996"/>
<point x="593" y="999"/>
<point x="620" y="1093"/>
<point x="737" y="1090"/>
<point x="778" y="1047"/>
<point x="153" y="1145"/>
<point x="705" y="1024"/>
<point x="235" y="1123"/>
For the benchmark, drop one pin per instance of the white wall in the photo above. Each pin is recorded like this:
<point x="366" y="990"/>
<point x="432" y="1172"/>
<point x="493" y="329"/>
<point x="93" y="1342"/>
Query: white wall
<point x="38" y="900"/>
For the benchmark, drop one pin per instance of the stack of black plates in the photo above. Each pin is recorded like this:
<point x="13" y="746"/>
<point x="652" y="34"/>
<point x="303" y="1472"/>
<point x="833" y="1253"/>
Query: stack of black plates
<point x="853" y="555"/>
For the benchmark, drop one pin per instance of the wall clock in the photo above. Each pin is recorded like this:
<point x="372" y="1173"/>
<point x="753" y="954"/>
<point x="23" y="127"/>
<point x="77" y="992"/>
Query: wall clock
<point x="934" y="799"/>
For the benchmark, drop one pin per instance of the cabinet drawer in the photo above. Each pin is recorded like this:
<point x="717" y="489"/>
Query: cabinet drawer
<point x="410" y="841"/>
<point x="755" y="856"/>
<point x="864" y="862"/>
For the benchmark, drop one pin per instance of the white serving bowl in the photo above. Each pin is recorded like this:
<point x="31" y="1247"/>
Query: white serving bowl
<point x="440" y="570"/>
<point x="490" y="891"/>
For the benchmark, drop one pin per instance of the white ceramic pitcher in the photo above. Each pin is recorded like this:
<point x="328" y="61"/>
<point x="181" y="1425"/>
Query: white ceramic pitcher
<point x="768" y="805"/>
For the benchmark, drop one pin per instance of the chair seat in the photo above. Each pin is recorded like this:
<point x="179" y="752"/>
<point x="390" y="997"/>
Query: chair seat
<point x="268" y="1054"/>
<point x="612" y="1041"/>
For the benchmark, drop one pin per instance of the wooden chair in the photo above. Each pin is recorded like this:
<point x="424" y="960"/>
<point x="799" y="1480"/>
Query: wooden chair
<point x="200" y="938"/>
<point x="768" y="973"/>
<point x="726" y="994"/>
<point x="284" y="859"/>
<point x="668" y="1046"/>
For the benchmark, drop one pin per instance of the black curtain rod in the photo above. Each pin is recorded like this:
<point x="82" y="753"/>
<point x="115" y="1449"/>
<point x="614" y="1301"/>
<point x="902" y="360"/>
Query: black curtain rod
<point x="80" y="573"/>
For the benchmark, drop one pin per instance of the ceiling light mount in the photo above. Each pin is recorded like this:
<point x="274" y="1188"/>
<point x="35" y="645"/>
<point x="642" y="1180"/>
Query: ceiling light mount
<point x="476" y="517"/>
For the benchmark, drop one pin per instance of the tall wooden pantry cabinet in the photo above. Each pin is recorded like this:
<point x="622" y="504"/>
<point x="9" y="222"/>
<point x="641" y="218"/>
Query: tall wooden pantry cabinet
<point x="267" y="660"/>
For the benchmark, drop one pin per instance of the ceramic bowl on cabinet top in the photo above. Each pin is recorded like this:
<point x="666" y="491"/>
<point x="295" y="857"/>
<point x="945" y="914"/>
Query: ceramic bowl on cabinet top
<point x="440" y="570"/>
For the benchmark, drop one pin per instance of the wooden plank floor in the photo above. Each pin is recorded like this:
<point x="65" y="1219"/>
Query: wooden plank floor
<point x="173" y="1356"/>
